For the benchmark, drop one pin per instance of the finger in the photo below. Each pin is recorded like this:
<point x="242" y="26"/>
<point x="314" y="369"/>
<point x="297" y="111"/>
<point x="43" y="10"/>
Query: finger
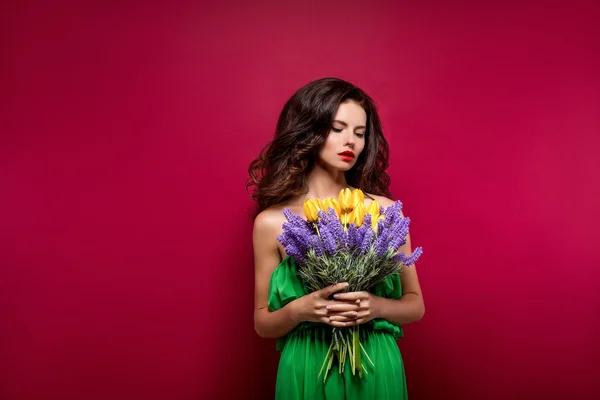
<point x="341" y="318"/>
<point x="340" y="324"/>
<point x="329" y="290"/>
<point x="352" y="296"/>
<point x="322" y="312"/>
<point x="352" y="322"/>
<point x="363" y="314"/>
<point x="336" y="301"/>
<point x="338" y="307"/>
<point x="349" y="314"/>
<point x="335" y="322"/>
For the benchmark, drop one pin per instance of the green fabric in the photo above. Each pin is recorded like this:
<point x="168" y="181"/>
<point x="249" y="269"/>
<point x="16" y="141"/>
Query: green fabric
<point x="303" y="350"/>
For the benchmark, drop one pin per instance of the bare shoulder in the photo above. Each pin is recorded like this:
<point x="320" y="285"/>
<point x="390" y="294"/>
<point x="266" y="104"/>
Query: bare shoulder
<point x="269" y="221"/>
<point x="383" y="201"/>
<point x="267" y="226"/>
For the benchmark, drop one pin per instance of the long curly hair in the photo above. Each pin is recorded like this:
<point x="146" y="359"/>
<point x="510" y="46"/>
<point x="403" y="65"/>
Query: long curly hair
<point x="281" y="170"/>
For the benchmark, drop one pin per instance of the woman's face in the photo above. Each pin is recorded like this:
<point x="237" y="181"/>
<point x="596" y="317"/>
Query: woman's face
<point x="346" y="139"/>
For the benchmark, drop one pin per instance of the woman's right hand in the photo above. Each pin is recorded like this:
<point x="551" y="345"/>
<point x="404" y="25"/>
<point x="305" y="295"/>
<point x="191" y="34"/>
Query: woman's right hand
<point x="313" y="306"/>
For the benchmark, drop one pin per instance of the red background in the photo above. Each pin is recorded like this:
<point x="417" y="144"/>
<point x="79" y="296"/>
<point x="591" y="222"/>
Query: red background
<point x="125" y="243"/>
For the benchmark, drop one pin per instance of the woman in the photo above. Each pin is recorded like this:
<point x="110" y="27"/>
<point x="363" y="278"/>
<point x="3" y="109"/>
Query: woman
<point x="328" y="137"/>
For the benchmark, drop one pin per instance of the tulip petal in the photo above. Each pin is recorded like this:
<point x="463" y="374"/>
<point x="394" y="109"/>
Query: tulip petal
<point x="345" y="199"/>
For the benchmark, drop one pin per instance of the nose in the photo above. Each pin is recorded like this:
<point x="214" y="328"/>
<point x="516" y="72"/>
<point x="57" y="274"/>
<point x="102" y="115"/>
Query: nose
<point x="351" y="140"/>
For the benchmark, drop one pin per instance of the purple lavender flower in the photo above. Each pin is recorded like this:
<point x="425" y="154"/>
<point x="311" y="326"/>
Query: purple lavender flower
<point x="360" y="234"/>
<point x="316" y="244"/>
<point x="358" y="237"/>
<point x="337" y="229"/>
<point x="382" y="225"/>
<point x="327" y="238"/>
<point x="352" y="236"/>
<point x="367" y="221"/>
<point x="293" y="218"/>
<point x="366" y="241"/>
<point x="296" y="235"/>
<point x="323" y="216"/>
<point x="296" y="254"/>
<point x="398" y="234"/>
<point x="362" y="230"/>
<point x="393" y="212"/>
<point x="283" y="239"/>
<point x="407" y="261"/>
<point x="403" y="226"/>
<point x="396" y="243"/>
<point x="298" y="222"/>
<point x="382" y="242"/>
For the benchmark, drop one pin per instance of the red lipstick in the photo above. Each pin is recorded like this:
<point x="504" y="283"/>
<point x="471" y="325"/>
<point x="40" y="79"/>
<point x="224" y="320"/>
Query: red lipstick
<point x="346" y="155"/>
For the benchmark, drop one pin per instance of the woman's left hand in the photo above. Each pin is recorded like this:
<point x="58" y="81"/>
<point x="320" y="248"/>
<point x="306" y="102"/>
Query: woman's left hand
<point x="368" y="309"/>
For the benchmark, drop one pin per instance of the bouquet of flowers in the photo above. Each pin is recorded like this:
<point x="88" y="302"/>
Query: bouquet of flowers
<point x="343" y="241"/>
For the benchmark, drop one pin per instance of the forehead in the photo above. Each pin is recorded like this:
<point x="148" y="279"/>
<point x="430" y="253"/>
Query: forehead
<point x="351" y="112"/>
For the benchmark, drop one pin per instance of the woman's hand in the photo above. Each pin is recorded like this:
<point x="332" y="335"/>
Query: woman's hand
<point x="368" y="308"/>
<point x="316" y="306"/>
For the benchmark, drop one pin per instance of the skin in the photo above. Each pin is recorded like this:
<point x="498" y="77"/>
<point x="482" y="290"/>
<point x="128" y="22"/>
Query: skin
<point x="327" y="179"/>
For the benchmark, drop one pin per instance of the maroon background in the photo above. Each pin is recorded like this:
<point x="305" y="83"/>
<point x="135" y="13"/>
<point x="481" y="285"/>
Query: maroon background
<point x="126" y="131"/>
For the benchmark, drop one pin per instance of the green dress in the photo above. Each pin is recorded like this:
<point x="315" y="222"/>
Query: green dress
<point x="303" y="350"/>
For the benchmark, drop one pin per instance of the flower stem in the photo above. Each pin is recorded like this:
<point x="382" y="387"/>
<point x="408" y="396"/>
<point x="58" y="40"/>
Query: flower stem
<point x="366" y="354"/>
<point x="325" y="361"/>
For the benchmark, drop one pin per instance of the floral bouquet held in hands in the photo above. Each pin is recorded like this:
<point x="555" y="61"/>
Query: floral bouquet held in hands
<point x="343" y="241"/>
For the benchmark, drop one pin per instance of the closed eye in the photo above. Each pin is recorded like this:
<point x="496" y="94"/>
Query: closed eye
<point x="360" y="135"/>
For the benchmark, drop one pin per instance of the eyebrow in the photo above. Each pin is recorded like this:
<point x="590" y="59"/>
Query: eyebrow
<point x="345" y="124"/>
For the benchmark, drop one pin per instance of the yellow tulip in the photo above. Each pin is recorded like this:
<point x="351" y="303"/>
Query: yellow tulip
<point x="375" y="221"/>
<point x="310" y="210"/>
<point x="336" y="206"/>
<point x="348" y="217"/>
<point x="358" y="196"/>
<point x="374" y="208"/>
<point x="345" y="199"/>
<point x="358" y="214"/>
<point x="327" y="204"/>
<point x="320" y="204"/>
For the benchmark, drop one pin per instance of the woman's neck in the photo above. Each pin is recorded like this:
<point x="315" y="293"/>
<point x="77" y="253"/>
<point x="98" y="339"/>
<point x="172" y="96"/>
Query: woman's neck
<point x="323" y="183"/>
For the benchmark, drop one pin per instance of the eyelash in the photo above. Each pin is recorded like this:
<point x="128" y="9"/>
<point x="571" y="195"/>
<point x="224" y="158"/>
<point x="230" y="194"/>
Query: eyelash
<point x="360" y="135"/>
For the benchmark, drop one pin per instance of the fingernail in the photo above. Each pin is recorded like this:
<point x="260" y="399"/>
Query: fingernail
<point x="331" y="318"/>
<point x="336" y="296"/>
<point x="328" y="307"/>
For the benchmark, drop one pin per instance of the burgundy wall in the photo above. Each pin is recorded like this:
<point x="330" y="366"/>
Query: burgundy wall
<point x="126" y="131"/>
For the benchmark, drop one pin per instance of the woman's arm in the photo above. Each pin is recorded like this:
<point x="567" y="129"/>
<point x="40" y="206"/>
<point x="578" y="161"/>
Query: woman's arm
<point x="268" y="324"/>
<point x="410" y="307"/>
<point x="311" y="307"/>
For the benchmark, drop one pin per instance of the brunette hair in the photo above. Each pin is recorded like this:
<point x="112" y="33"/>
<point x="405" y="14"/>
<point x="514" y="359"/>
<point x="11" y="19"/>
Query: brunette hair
<point x="281" y="170"/>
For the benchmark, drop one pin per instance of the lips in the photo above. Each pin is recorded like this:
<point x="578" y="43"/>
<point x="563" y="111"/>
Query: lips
<point x="346" y="154"/>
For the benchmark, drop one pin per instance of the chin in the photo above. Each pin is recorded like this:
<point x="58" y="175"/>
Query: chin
<point x="338" y="165"/>
<point x="346" y="167"/>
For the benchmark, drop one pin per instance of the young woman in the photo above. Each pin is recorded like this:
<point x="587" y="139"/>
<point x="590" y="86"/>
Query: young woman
<point x="328" y="137"/>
